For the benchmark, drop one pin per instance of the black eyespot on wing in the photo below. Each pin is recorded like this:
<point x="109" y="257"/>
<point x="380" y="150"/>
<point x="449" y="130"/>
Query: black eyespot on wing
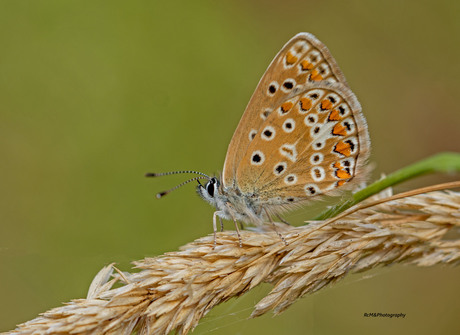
<point x="268" y="133"/>
<point x="279" y="168"/>
<point x="288" y="85"/>
<point x="256" y="158"/>
<point x="272" y="89"/>
<point x="317" y="173"/>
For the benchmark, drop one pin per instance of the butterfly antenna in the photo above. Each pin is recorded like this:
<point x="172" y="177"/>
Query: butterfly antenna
<point x="153" y="174"/>
<point x="162" y="194"/>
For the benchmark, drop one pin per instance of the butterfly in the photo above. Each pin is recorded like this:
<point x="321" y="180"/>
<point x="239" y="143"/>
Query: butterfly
<point x="301" y="136"/>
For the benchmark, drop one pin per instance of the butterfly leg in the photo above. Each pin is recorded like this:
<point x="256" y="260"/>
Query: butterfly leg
<point x="274" y="227"/>
<point x="221" y="224"/>
<point x="238" y="232"/>
<point x="214" y="225"/>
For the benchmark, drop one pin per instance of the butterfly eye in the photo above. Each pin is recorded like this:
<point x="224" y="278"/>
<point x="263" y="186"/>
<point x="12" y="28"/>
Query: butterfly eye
<point x="211" y="186"/>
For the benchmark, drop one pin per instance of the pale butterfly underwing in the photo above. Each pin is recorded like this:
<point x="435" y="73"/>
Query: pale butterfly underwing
<point x="302" y="135"/>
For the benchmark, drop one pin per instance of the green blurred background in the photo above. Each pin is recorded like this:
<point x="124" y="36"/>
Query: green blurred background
<point x="93" y="94"/>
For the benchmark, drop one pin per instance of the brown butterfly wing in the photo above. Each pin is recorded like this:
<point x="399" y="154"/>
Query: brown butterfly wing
<point x="303" y="60"/>
<point x="312" y="143"/>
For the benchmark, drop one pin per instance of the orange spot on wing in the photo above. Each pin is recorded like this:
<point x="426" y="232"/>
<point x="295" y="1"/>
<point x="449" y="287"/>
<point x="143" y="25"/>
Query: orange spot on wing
<point x="285" y="107"/>
<point x="334" y="116"/>
<point x="305" y="104"/>
<point x="315" y="76"/>
<point x="339" y="130"/>
<point x="306" y="65"/>
<point x="343" y="148"/>
<point x="326" y="104"/>
<point x="337" y="165"/>
<point x="340" y="182"/>
<point x="290" y="58"/>
<point x="342" y="174"/>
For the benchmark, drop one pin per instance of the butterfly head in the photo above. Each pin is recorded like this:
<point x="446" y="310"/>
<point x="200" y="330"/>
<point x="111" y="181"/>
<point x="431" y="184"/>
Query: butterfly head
<point x="212" y="191"/>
